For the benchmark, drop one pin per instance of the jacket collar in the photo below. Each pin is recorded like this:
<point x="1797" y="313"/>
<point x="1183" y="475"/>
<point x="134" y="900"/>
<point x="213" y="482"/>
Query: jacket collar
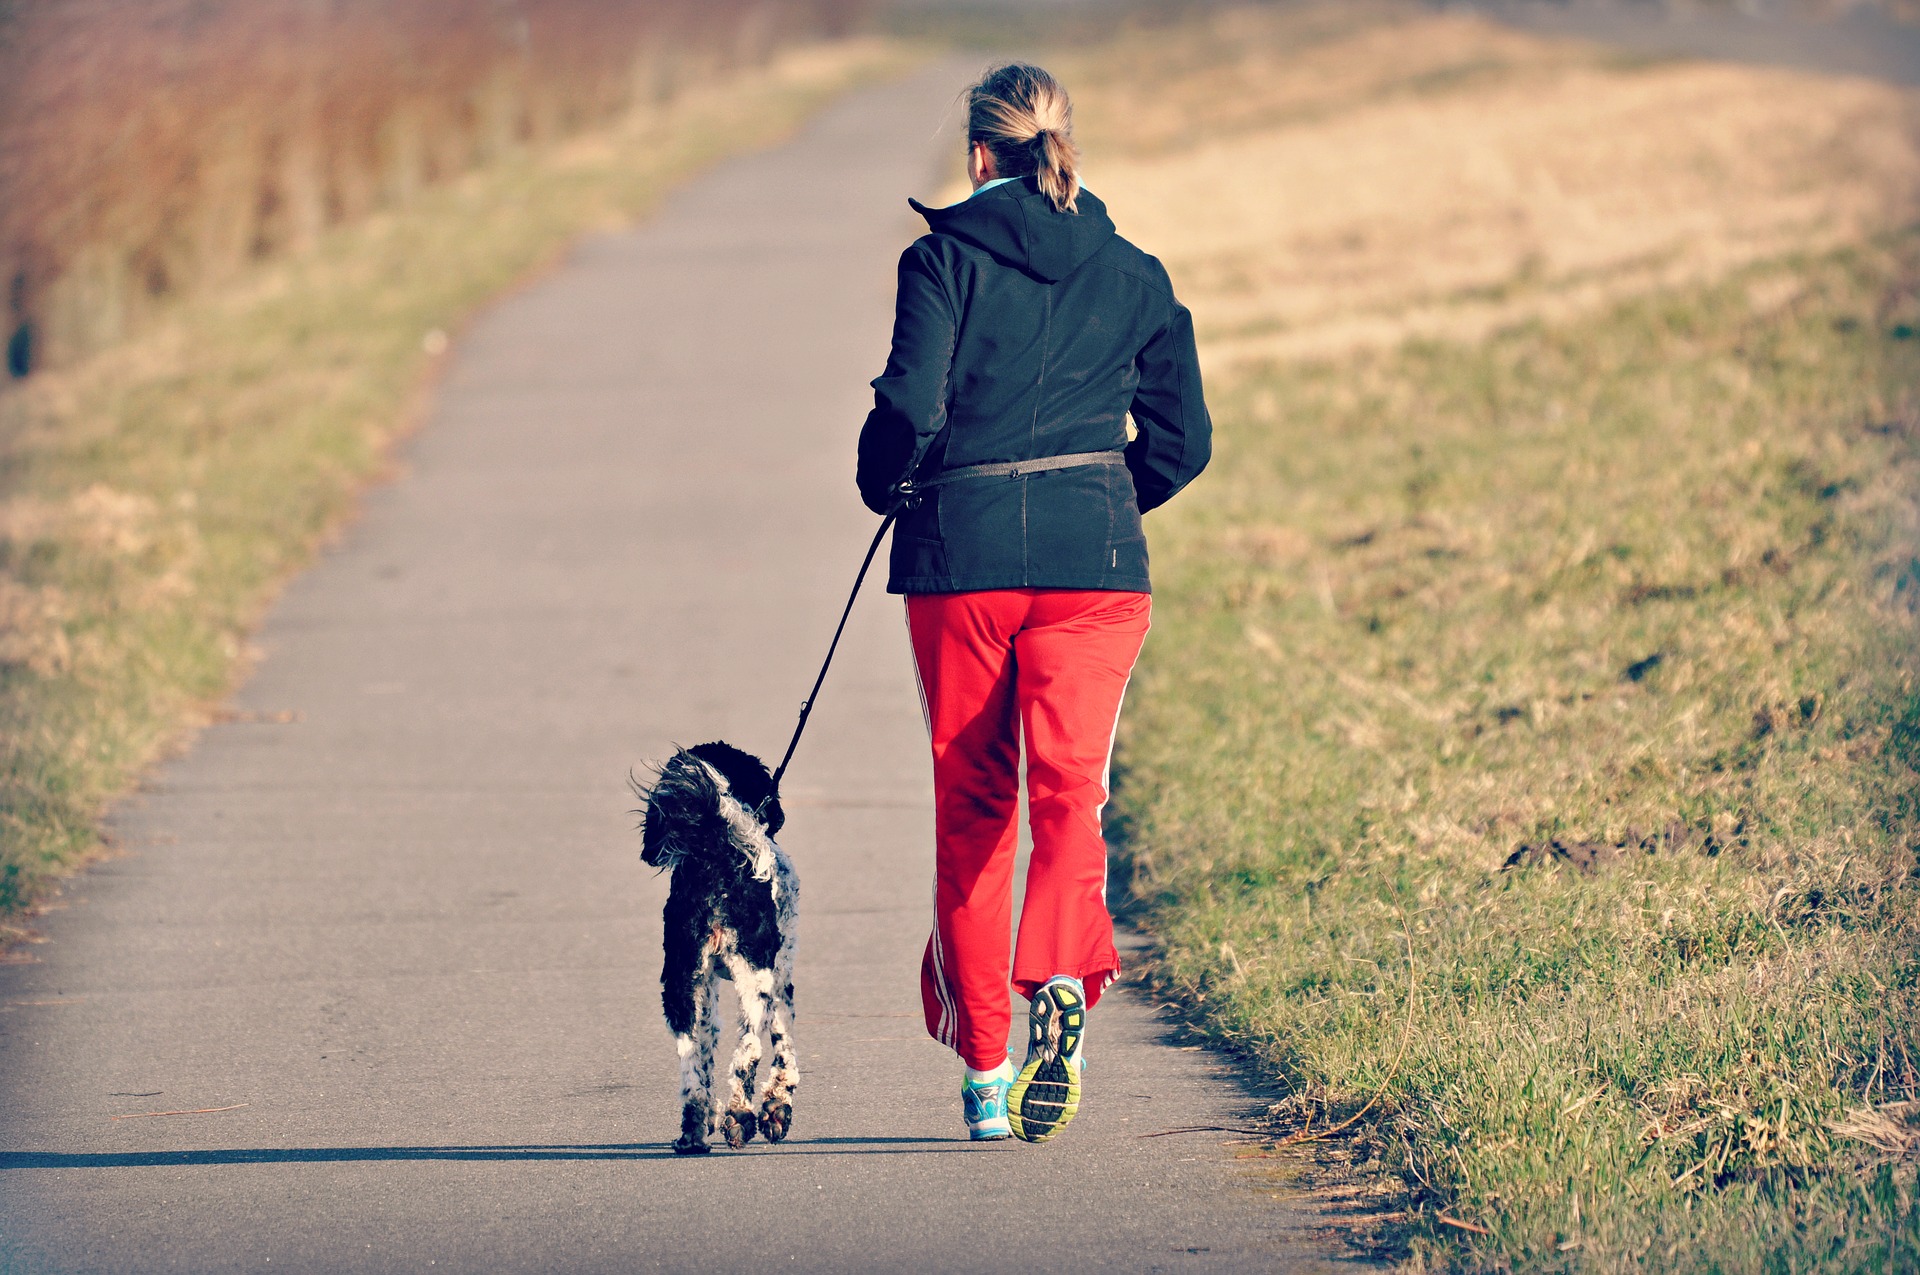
<point x="1018" y="225"/>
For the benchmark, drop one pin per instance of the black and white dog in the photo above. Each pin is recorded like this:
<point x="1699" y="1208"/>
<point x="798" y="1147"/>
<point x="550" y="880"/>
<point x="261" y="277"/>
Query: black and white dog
<point x="710" y="817"/>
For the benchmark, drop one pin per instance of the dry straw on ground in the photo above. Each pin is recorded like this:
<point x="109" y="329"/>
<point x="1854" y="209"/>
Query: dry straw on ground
<point x="151" y="147"/>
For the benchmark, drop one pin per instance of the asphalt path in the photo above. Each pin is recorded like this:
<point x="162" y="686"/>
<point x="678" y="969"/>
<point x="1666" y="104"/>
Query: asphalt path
<point x="398" y="956"/>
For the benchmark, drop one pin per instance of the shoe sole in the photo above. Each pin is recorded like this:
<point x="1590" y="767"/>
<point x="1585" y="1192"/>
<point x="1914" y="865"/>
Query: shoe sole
<point x="1046" y="1094"/>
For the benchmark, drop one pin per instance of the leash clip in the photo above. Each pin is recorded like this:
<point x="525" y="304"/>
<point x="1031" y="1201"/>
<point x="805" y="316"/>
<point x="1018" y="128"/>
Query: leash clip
<point x="907" y="494"/>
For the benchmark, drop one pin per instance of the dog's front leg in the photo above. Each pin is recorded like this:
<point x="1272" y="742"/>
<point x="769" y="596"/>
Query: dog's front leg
<point x="776" y="1105"/>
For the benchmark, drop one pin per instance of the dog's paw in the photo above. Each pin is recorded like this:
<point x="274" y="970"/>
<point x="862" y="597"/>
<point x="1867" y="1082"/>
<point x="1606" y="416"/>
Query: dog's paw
<point x="775" y="1121"/>
<point x="694" y="1124"/>
<point x="739" y="1127"/>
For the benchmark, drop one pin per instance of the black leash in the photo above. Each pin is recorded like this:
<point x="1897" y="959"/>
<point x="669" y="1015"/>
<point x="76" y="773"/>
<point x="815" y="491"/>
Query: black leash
<point x="907" y="494"/>
<point x="806" y="706"/>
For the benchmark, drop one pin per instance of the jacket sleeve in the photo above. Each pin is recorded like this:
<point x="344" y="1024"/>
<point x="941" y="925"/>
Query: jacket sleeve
<point x="910" y="397"/>
<point x="1175" y="434"/>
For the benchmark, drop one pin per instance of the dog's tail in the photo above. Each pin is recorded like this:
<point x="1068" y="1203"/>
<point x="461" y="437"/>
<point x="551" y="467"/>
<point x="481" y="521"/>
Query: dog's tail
<point x="712" y="799"/>
<point x="682" y="811"/>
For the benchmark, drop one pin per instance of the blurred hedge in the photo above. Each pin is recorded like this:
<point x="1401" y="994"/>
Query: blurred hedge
<point x="149" y="146"/>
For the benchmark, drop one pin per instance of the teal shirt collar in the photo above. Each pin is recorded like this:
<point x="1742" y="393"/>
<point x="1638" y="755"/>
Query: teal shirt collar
<point x="984" y="188"/>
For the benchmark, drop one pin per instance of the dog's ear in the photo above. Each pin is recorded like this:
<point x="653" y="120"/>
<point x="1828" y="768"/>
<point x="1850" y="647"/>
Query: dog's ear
<point x="680" y="805"/>
<point x="653" y="841"/>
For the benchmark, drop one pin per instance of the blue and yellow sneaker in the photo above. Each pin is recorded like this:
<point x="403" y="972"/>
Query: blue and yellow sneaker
<point x="1047" y="1092"/>
<point x="984" y="1095"/>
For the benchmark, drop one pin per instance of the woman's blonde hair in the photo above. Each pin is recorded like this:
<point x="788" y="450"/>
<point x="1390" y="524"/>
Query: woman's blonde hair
<point x="1026" y="120"/>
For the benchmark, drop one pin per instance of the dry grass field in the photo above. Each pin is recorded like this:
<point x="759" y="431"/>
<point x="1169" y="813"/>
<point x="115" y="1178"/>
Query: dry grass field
<point x="1528" y="738"/>
<point x="1356" y="175"/>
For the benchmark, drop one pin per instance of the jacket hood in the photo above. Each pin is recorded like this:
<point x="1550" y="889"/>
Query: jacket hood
<point x="1018" y="225"/>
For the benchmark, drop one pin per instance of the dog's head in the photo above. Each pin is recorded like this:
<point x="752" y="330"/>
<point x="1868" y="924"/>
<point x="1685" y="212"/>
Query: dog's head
<point x="691" y="799"/>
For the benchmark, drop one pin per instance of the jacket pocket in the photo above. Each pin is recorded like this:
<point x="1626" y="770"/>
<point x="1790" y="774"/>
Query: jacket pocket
<point x="922" y="563"/>
<point x="983" y="527"/>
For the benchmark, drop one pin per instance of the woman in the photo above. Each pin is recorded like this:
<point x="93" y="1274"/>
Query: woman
<point x="1026" y="331"/>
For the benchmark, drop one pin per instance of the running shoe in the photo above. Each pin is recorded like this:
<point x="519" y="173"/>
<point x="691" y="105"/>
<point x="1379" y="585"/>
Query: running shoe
<point x="986" y="1107"/>
<point x="1046" y="1095"/>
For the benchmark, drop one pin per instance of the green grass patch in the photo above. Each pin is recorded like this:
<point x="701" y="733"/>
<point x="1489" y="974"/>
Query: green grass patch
<point x="153" y="498"/>
<point x="1643" y="585"/>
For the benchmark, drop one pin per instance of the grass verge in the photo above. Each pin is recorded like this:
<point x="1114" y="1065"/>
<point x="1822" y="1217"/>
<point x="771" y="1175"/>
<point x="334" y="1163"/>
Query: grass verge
<point x="152" y="498"/>
<point x="1633" y="596"/>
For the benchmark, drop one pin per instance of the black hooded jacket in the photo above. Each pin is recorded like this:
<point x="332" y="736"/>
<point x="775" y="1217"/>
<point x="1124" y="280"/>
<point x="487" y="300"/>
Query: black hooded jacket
<point x="1023" y="333"/>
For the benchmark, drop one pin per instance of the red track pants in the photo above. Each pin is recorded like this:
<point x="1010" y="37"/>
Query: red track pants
<point x="994" y="664"/>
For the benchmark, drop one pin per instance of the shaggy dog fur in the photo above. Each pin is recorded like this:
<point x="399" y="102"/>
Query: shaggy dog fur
<point x="710" y="818"/>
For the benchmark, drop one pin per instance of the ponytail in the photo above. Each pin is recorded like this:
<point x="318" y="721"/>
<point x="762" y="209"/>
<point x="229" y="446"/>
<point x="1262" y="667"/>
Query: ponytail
<point x="1025" y="119"/>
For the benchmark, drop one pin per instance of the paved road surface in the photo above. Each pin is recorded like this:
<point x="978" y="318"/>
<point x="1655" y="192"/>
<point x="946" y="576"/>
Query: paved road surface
<point x="410" y="932"/>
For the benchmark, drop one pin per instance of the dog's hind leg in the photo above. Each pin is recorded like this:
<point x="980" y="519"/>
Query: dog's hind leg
<point x="696" y="1096"/>
<point x="710" y="1045"/>
<point x="688" y="999"/>
<point x="752" y="985"/>
<point x="776" y="1105"/>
